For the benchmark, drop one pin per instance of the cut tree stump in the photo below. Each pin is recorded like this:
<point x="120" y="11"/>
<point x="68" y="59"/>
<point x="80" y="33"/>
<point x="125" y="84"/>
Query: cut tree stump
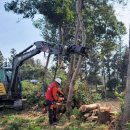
<point x="104" y="117"/>
<point x="95" y="112"/>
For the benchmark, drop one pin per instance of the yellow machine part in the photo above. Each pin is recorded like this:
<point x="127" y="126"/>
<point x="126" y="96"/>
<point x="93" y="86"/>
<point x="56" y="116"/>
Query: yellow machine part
<point x="2" y="89"/>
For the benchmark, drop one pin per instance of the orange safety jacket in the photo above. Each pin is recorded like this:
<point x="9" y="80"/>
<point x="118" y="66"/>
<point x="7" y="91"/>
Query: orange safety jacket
<point x="52" y="91"/>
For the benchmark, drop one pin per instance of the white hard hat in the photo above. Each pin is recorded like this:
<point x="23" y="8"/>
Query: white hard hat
<point x="58" y="80"/>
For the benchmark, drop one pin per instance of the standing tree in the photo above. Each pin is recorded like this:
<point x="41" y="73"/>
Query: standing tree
<point x="123" y="67"/>
<point x="12" y="55"/>
<point x="1" y="59"/>
<point x="126" y="112"/>
<point x="81" y="28"/>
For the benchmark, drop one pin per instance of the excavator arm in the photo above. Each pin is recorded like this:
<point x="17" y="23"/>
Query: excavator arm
<point x="40" y="46"/>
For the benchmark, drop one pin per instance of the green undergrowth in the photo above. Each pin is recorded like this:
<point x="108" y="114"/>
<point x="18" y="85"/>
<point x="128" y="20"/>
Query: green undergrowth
<point x="30" y="120"/>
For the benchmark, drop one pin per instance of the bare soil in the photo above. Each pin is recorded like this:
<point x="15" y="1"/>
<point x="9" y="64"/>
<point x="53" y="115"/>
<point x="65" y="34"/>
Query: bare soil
<point x="114" y="104"/>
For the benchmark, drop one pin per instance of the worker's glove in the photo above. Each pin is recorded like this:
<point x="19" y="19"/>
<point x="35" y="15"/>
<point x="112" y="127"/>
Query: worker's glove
<point x="60" y="99"/>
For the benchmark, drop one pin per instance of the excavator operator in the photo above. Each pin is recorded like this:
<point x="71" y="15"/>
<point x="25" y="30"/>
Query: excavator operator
<point x="51" y="97"/>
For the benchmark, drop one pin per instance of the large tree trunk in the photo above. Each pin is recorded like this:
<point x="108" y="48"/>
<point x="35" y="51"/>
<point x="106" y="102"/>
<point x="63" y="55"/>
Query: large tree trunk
<point x="126" y="112"/>
<point x="79" y="27"/>
<point x="71" y="86"/>
<point x="72" y="64"/>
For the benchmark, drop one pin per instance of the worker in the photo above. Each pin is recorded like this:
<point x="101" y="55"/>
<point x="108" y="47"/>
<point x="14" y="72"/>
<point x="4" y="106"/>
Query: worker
<point x="51" y="97"/>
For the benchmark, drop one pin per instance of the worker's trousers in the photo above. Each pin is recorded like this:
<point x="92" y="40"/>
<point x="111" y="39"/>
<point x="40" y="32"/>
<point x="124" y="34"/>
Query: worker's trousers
<point x="51" y="111"/>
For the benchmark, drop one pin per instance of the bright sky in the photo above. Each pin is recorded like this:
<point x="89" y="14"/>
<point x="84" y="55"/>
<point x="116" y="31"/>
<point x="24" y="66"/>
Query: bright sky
<point x="123" y="14"/>
<point x="20" y="35"/>
<point x="17" y="35"/>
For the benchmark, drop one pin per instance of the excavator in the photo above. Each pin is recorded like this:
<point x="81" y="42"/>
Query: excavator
<point x="10" y="85"/>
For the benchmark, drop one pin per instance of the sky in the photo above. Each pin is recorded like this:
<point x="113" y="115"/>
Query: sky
<point x="19" y="35"/>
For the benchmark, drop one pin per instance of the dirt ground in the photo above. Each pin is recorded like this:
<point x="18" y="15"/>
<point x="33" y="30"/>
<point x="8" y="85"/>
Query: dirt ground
<point x="114" y="104"/>
<point x="30" y="114"/>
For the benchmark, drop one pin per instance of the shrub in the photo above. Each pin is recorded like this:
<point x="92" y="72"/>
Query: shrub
<point x="82" y="95"/>
<point x="30" y="91"/>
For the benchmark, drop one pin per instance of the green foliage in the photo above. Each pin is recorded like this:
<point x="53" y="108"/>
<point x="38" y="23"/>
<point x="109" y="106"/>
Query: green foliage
<point x="56" y="11"/>
<point x="63" y="119"/>
<point x="82" y="94"/>
<point x="128" y="126"/>
<point x="15" y="123"/>
<point x="40" y="120"/>
<point x="95" y="97"/>
<point x="12" y="120"/>
<point x="121" y="97"/>
<point x="48" y="31"/>
<point x="63" y="76"/>
<point x="30" y="91"/>
<point x="31" y="69"/>
<point x="29" y="88"/>
<point x="23" y="124"/>
<point x="75" y="111"/>
<point x="33" y="127"/>
<point x="74" y="128"/>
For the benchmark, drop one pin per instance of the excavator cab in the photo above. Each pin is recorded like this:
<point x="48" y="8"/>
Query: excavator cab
<point x="5" y="79"/>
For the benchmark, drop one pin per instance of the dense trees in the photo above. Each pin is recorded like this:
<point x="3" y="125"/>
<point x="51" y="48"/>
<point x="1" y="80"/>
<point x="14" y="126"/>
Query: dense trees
<point x="97" y="23"/>
<point x="103" y="30"/>
<point x="58" y="21"/>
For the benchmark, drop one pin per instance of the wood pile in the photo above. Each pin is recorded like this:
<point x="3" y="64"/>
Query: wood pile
<point x="96" y="112"/>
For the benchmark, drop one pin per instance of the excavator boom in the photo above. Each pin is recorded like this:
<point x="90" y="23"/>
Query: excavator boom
<point x="39" y="46"/>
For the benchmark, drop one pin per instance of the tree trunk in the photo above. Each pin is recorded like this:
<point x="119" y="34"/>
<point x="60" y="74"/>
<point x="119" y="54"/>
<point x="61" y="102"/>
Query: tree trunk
<point x="44" y="85"/>
<point x="79" y="27"/>
<point x="47" y="62"/>
<point x="71" y="86"/>
<point x="72" y="62"/>
<point x="56" y="69"/>
<point x="126" y="112"/>
<point x="69" y="76"/>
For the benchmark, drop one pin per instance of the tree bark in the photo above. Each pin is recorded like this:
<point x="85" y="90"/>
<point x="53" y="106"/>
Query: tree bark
<point x="47" y="62"/>
<point x="126" y="112"/>
<point x="79" y="27"/>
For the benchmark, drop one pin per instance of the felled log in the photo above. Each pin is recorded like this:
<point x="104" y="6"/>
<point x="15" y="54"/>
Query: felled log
<point x="87" y="108"/>
<point x="105" y="109"/>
